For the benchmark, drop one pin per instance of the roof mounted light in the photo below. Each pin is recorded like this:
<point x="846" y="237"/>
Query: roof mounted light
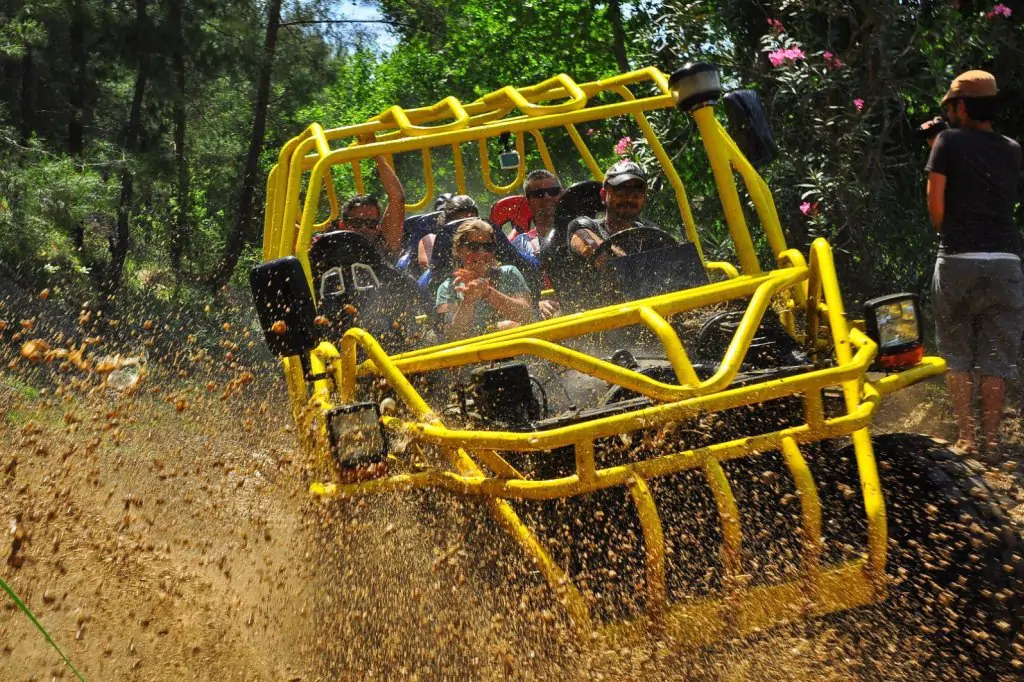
<point x="695" y="85"/>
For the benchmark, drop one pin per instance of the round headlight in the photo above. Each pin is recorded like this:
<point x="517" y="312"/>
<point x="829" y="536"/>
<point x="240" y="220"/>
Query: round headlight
<point x="695" y="85"/>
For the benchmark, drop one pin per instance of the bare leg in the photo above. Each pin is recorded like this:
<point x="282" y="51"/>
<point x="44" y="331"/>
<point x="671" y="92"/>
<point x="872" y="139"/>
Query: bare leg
<point x="993" y="393"/>
<point x="961" y="387"/>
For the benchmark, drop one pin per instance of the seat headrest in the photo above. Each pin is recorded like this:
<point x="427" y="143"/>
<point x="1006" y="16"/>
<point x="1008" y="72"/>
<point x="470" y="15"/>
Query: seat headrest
<point x="417" y="227"/>
<point x="515" y="209"/>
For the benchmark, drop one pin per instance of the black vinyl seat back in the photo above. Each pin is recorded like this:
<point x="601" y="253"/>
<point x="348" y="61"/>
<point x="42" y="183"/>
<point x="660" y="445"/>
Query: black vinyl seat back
<point x="414" y="229"/>
<point x="355" y="286"/>
<point x="580" y="199"/>
<point x="417" y="227"/>
<point x="443" y="263"/>
<point x="571" y="275"/>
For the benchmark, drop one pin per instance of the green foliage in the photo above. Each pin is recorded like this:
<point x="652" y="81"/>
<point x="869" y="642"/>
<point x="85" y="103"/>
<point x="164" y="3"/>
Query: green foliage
<point x="78" y="62"/>
<point x="65" y="104"/>
<point x="43" y="199"/>
<point x="844" y="102"/>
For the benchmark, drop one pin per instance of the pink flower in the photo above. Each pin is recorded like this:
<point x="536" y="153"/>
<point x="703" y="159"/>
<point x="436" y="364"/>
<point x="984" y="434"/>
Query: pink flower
<point x="790" y="54"/>
<point x="808" y="209"/>
<point x="999" y="10"/>
<point x="776" y="25"/>
<point x="622" y="147"/>
<point x="590" y="131"/>
<point x="859" y="103"/>
<point x="832" y="61"/>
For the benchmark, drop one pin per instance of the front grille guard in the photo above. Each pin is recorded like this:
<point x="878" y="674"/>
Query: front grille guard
<point x="738" y="610"/>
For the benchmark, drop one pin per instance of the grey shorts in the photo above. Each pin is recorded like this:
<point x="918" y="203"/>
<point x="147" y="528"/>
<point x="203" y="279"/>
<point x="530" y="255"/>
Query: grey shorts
<point x="979" y="313"/>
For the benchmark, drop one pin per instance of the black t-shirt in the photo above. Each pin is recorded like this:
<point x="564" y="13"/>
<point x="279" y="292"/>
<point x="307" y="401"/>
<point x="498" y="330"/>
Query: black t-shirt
<point x="982" y="171"/>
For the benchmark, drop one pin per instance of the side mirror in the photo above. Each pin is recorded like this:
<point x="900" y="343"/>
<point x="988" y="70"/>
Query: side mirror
<point x="285" y="306"/>
<point x="749" y="126"/>
<point x="509" y="160"/>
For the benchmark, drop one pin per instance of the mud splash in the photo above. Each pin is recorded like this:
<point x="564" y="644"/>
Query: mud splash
<point x="166" y="532"/>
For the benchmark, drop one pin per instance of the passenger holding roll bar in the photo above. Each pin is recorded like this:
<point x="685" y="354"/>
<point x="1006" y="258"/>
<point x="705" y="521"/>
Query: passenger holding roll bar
<point x="363" y="214"/>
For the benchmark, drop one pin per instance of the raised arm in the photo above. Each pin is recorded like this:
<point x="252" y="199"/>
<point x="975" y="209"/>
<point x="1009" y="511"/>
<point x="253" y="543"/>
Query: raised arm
<point x="394" y="215"/>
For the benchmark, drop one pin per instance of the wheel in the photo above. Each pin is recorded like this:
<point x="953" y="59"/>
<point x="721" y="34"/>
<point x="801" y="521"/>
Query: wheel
<point x="633" y="240"/>
<point x="955" y="560"/>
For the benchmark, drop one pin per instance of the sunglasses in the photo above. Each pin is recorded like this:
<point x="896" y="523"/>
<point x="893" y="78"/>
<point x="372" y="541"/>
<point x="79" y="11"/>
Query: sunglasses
<point x="632" y="190"/>
<point x="543" y="192"/>
<point x="478" y="247"/>
<point x="362" y="223"/>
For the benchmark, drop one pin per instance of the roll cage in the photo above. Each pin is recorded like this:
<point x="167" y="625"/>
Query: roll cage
<point x="804" y="294"/>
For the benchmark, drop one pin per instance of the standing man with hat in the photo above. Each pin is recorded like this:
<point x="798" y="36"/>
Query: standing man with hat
<point x="624" y="194"/>
<point x="978" y="286"/>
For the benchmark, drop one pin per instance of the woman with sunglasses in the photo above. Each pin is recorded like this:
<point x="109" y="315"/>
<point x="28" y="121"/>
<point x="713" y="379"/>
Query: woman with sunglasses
<point x="481" y="295"/>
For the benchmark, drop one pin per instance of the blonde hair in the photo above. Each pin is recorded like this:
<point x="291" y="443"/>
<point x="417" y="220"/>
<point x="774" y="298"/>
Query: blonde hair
<point x="471" y="227"/>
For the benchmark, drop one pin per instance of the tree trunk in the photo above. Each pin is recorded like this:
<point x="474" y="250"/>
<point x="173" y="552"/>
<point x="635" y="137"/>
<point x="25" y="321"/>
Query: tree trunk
<point x="79" y="58"/>
<point x="27" y="108"/>
<point x="242" y="229"/>
<point x="179" y="232"/>
<point x="618" y="35"/>
<point x="119" y="243"/>
<point x="76" y="98"/>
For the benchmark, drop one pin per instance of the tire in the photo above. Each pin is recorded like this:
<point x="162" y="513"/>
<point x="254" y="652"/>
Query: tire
<point x="955" y="561"/>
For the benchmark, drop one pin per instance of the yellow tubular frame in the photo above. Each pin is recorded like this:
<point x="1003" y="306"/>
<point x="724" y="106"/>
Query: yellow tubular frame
<point x="805" y="294"/>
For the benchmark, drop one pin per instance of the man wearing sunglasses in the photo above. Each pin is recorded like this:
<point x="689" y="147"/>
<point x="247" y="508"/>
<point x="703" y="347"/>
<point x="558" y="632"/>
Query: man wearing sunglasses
<point x="624" y="194"/>
<point x="542" y="190"/>
<point x="363" y="214"/>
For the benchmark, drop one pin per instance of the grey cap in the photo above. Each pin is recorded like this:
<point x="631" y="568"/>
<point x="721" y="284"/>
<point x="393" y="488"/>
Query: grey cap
<point x="624" y="171"/>
<point x="460" y="203"/>
<point x="441" y="201"/>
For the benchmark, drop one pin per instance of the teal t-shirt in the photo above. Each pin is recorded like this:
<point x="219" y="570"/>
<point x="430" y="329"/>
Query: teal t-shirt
<point x="509" y="282"/>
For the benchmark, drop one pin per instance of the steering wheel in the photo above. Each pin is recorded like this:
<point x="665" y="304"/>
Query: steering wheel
<point x="634" y="240"/>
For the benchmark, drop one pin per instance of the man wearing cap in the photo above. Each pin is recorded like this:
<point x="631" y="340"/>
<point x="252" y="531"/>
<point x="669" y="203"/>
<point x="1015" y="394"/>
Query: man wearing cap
<point x="624" y="194"/>
<point x="977" y="287"/>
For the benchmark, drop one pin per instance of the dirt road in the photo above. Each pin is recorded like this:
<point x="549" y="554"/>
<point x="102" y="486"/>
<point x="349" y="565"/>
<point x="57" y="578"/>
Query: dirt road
<point x="168" y="535"/>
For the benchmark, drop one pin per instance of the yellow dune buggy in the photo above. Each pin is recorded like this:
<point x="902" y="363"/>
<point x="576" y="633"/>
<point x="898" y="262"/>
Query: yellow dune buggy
<point x="687" y="449"/>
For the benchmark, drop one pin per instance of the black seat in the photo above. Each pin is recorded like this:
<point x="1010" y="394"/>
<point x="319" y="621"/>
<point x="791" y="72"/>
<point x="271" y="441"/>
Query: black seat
<point x="414" y="229"/>
<point x="442" y="261"/>
<point x="571" y="275"/>
<point x="355" y="286"/>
